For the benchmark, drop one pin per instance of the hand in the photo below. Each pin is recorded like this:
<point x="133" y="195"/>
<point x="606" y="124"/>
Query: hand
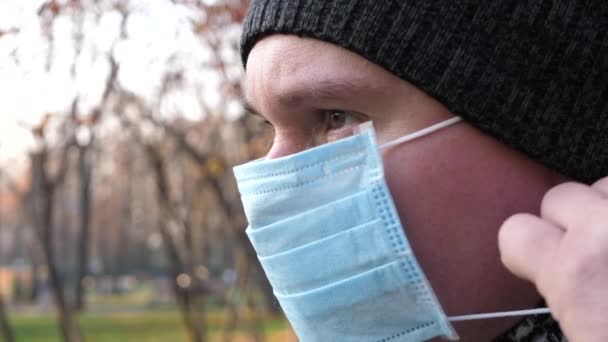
<point x="565" y="253"/>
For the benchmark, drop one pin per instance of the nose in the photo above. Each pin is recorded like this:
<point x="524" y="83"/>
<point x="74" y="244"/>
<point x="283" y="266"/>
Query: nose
<point x="288" y="142"/>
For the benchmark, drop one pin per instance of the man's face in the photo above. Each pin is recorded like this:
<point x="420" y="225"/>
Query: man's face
<point x="453" y="188"/>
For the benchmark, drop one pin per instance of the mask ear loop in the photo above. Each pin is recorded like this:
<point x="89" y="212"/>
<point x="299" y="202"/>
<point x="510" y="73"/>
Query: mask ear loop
<point x="420" y="133"/>
<point x="539" y="311"/>
<point x="423" y="132"/>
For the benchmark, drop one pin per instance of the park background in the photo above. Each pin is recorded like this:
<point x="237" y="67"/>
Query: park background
<point x="120" y="220"/>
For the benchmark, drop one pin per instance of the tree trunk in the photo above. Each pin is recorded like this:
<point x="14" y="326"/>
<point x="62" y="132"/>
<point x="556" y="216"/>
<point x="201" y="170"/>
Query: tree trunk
<point x="7" y="332"/>
<point x="43" y="191"/>
<point x="69" y="327"/>
<point x="84" y="171"/>
<point x="33" y="295"/>
<point x="184" y="296"/>
<point x="5" y="327"/>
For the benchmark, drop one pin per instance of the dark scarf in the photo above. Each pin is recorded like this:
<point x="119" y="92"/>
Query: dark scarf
<point x="534" y="328"/>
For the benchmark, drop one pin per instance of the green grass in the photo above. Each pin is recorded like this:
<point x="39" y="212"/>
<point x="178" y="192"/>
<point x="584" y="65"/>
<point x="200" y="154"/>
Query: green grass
<point x="142" y="326"/>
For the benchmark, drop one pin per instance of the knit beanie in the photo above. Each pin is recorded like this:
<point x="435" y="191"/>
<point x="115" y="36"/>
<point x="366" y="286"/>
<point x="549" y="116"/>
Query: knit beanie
<point x="533" y="74"/>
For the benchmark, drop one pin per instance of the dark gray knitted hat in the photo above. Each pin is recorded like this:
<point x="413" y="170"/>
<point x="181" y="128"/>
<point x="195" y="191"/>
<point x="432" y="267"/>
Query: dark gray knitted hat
<point x="533" y="74"/>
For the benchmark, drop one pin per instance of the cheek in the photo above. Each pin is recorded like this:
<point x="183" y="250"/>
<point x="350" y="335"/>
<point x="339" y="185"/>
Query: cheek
<point x="453" y="190"/>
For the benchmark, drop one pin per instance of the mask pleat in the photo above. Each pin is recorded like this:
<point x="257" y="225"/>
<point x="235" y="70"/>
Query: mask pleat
<point x="279" y="236"/>
<point x="329" y="238"/>
<point x="356" y="243"/>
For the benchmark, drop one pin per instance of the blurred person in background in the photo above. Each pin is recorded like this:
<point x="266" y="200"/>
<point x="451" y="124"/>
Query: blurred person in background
<point x="489" y="129"/>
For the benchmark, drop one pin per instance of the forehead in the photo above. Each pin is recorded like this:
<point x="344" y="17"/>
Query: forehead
<point x="287" y="67"/>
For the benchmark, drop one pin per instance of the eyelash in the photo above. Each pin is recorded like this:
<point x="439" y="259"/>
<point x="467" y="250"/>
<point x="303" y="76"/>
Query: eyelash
<point x="349" y="119"/>
<point x="325" y="121"/>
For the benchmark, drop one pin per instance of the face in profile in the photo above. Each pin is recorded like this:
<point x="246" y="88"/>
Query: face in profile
<point x="452" y="188"/>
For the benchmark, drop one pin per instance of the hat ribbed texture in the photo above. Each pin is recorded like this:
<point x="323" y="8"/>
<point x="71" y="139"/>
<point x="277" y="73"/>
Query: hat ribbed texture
<point x="533" y="74"/>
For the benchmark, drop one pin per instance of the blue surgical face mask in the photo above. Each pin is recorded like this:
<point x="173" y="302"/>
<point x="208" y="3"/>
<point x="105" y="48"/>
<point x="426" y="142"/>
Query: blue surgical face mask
<point x="329" y="238"/>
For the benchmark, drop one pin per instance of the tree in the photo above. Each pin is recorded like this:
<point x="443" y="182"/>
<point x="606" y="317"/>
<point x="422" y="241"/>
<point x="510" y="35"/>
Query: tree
<point x="41" y="203"/>
<point x="162" y="160"/>
<point x="5" y="326"/>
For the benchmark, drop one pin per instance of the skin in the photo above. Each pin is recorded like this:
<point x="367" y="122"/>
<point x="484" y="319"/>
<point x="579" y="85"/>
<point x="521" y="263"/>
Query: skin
<point x="564" y="251"/>
<point x="453" y="188"/>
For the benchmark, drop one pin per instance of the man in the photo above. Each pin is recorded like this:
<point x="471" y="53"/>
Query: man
<point x="507" y="185"/>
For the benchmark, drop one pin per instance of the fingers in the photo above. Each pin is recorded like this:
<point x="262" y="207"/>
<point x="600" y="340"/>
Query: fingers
<point x="602" y="186"/>
<point x="572" y="205"/>
<point x="526" y="243"/>
<point x="565" y="253"/>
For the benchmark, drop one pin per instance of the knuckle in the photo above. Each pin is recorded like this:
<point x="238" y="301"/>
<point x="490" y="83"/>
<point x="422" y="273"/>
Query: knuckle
<point x="585" y="265"/>
<point x="559" y="191"/>
<point x="601" y="185"/>
<point x="592" y="217"/>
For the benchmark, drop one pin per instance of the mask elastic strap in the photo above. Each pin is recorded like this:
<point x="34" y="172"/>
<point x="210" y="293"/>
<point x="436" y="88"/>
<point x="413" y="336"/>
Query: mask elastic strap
<point x="539" y="311"/>
<point x="423" y="132"/>
<point x="420" y="133"/>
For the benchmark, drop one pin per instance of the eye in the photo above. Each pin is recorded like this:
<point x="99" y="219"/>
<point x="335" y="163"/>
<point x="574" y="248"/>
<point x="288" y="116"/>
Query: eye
<point x="339" y="124"/>
<point x="337" y="119"/>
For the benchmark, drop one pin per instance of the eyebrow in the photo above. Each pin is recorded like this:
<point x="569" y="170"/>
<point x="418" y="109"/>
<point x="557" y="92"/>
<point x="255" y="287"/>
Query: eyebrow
<point x="335" y="88"/>
<point x="328" y="89"/>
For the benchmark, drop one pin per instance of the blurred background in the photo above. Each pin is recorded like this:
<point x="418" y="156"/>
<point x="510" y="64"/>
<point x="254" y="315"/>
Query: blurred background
<point x="120" y="220"/>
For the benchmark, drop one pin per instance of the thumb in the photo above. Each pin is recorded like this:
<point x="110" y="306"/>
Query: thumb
<point x="526" y="242"/>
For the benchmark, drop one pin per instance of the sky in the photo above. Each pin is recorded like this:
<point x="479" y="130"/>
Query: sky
<point x="156" y="29"/>
<point x="15" y="84"/>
